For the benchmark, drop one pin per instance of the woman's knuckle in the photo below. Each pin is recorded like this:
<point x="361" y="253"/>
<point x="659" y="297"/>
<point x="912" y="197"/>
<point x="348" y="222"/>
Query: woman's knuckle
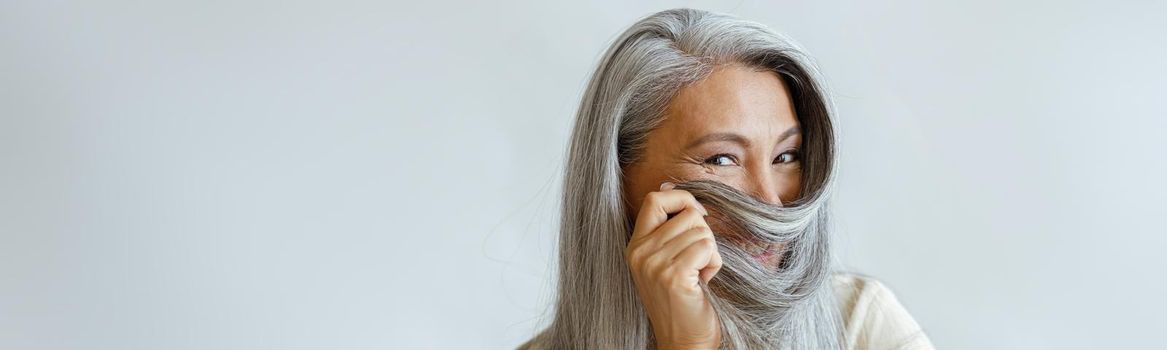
<point x="666" y="276"/>
<point x="655" y="263"/>
<point x="652" y="198"/>
<point x="635" y="254"/>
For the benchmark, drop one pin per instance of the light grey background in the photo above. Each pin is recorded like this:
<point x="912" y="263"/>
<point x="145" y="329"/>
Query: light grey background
<point x="370" y="175"/>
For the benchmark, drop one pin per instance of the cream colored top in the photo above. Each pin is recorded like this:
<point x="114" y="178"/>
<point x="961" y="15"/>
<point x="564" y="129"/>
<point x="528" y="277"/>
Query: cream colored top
<point x="873" y="319"/>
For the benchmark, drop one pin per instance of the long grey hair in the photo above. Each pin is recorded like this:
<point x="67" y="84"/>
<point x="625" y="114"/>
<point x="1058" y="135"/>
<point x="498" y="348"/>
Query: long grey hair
<point x="597" y="306"/>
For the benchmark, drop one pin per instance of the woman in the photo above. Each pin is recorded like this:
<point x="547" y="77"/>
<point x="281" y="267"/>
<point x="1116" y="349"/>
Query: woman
<point x="695" y="202"/>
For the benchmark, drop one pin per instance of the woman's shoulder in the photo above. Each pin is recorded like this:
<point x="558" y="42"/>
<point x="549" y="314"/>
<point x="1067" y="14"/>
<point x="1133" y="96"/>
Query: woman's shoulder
<point x="873" y="317"/>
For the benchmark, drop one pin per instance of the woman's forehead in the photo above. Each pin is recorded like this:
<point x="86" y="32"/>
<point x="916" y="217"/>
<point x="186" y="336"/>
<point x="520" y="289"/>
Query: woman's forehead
<point x="734" y="99"/>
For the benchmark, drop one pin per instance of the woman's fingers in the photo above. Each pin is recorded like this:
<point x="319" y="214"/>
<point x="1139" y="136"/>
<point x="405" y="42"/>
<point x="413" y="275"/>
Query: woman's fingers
<point x="714" y="265"/>
<point x="669" y="262"/>
<point x="688" y="218"/>
<point x="658" y="239"/>
<point x="657" y="206"/>
<point x="700" y="256"/>
<point x="673" y="247"/>
<point x="694" y="236"/>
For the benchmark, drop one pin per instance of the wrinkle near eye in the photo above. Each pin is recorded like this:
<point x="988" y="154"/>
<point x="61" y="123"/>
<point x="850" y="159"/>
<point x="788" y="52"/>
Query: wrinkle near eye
<point x="689" y="159"/>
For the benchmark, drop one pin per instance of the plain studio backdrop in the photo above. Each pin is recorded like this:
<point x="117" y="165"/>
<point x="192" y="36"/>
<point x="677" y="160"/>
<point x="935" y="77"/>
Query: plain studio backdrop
<point x="373" y="175"/>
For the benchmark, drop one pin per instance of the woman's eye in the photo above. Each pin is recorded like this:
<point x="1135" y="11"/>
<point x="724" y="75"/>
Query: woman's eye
<point x="721" y="160"/>
<point x="787" y="157"/>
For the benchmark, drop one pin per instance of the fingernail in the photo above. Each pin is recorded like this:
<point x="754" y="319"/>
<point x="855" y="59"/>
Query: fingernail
<point x="702" y="209"/>
<point x="665" y="186"/>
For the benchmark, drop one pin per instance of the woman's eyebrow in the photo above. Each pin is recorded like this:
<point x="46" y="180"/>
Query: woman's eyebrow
<point x="718" y="137"/>
<point x="737" y="138"/>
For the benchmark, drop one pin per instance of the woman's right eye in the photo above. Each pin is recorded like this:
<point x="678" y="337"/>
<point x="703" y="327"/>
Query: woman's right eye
<point x="721" y="160"/>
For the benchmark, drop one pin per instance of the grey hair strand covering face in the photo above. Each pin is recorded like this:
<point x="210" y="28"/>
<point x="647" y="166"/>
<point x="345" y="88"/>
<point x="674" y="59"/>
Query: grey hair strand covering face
<point x="597" y="305"/>
<point x="761" y="307"/>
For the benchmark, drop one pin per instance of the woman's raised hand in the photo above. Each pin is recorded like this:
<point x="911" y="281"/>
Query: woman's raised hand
<point x="668" y="257"/>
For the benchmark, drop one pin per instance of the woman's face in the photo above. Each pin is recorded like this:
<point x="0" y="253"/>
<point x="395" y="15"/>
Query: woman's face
<point x="737" y="126"/>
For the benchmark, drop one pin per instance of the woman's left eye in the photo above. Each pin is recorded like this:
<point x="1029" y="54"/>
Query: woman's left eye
<point x="787" y="157"/>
